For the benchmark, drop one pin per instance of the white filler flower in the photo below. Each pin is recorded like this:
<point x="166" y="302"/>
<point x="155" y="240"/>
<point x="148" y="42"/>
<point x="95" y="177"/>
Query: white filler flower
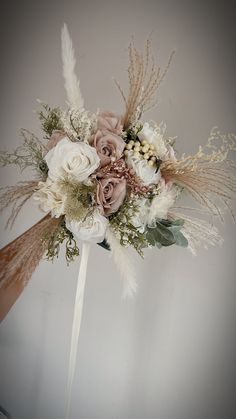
<point x="162" y="203"/>
<point x="71" y="160"/>
<point x="93" y="229"/>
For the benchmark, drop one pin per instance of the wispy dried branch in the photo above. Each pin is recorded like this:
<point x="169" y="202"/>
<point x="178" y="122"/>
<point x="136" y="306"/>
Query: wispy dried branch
<point x="144" y="79"/>
<point x="19" y="258"/>
<point x="16" y="196"/>
<point x="209" y="178"/>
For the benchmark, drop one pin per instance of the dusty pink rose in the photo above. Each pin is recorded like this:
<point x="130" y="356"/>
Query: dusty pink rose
<point x="108" y="121"/>
<point x="56" y="136"/>
<point x="111" y="193"/>
<point x="109" y="146"/>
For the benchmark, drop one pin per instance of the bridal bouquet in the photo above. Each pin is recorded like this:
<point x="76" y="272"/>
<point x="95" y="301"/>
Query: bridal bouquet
<point x="110" y="179"/>
<point x="114" y="180"/>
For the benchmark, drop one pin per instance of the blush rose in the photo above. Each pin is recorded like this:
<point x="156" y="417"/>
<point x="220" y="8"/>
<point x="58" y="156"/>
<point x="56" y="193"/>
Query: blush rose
<point x="111" y="193"/>
<point x="109" y="146"/>
<point x="108" y="121"/>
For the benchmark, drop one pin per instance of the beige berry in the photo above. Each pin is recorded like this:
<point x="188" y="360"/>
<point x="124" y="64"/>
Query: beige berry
<point x="145" y="148"/>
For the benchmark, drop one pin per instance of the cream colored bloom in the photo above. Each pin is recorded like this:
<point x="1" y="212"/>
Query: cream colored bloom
<point x="139" y="220"/>
<point x="162" y="203"/>
<point x="69" y="159"/>
<point x="147" y="174"/>
<point x="50" y="197"/>
<point x="154" y="136"/>
<point x="92" y="229"/>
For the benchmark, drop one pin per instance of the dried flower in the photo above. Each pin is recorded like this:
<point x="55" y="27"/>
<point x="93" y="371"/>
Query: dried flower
<point x="109" y="146"/>
<point x="50" y="197"/>
<point x="73" y="160"/>
<point x="109" y="121"/>
<point x="92" y="229"/>
<point x="111" y="193"/>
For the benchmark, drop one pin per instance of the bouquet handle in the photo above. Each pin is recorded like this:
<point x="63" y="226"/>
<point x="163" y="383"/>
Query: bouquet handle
<point x="78" y="308"/>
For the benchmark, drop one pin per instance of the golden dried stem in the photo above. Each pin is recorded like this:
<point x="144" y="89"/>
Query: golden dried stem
<point x="16" y="196"/>
<point x="144" y="79"/>
<point x="19" y="258"/>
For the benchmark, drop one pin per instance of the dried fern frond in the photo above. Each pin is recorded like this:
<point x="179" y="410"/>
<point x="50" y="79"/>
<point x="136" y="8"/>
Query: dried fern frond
<point x="144" y="79"/>
<point x="19" y="258"/>
<point x="209" y="178"/>
<point x="16" y="196"/>
<point x="30" y="154"/>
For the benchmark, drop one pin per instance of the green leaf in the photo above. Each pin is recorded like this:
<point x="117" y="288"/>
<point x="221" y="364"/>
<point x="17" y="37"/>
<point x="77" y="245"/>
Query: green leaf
<point x="150" y="237"/>
<point x="104" y="244"/>
<point x="160" y="234"/>
<point x="180" y="239"/>
<point x="178" y="222"/>
<point x="166" y="233"/>
<point x="169" y="223"/>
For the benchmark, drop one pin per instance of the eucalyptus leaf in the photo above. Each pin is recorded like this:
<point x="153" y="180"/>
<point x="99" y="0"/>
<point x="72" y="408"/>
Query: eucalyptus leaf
<point x="161" y="235"/>
<point x="166" y="233"/>
<point x="104" y="244"/>
<point x="150" y="237"/>
<point x="178" y="222"/>
<point x="180" y="239"/>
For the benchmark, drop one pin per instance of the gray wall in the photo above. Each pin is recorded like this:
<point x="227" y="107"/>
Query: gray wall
<point x="170" y="352"/>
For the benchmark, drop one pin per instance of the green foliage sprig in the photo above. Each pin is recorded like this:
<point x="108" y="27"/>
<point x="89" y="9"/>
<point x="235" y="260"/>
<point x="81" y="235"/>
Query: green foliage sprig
<point x="50" y="119"/>
<point x="79" y="199"/>
<point x="62" y="234"/>
<point x="121" y="222"/>
<point x="132" y="133"/>
<point x="165" y="233"/>
<point x="29" y="154"/>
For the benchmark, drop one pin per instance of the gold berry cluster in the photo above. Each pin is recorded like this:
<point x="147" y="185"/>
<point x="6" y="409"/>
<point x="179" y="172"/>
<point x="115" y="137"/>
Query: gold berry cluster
<point x="142" y="150"/>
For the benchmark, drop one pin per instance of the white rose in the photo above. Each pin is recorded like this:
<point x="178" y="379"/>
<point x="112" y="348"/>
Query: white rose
<point x="154" y="136"/>
<point x="92" y="229"/>
<point x="146" y="173"/>
<point x="69" y="159"/>
<point x="50" y="198"/>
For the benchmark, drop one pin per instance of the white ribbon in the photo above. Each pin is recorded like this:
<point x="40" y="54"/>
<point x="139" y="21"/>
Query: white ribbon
<point x="77" y="322"/>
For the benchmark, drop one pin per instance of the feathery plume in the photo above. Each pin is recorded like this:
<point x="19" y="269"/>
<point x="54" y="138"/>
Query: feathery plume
<point x="123" y="264"/>
<point x="209" y="178"/>
<point x="198" y="232"/>
<point x="161" y="204"/>
<point x="72" y="84"/>
<point x="17" y="196"/>
<point x="19" y="258"/>
<point x="144" y="79"/>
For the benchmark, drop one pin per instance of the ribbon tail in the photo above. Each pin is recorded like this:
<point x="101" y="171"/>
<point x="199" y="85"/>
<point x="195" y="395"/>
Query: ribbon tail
<point x="79" y="299"/>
